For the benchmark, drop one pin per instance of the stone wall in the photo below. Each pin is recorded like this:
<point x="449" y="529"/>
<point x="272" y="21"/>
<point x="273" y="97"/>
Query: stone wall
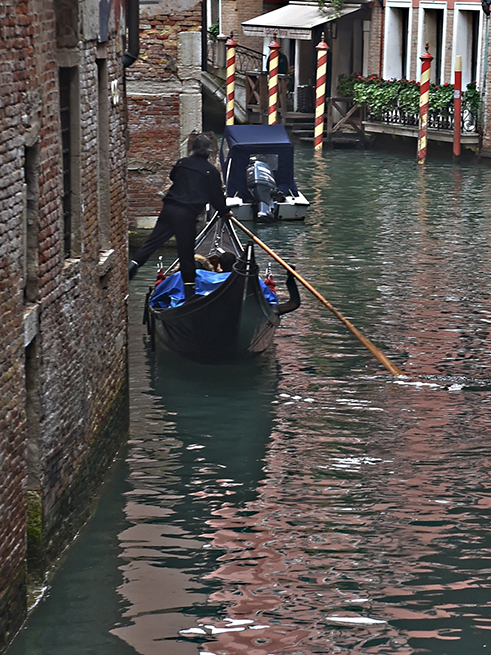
<point x="63" y="342"/>
<point x="15" y="39"/>
<point x="164" y="101"/>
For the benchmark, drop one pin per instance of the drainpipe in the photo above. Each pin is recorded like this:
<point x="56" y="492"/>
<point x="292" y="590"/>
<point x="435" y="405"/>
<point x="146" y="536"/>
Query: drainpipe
<point x="204" y="37"/>
<point x="133" y="23"/>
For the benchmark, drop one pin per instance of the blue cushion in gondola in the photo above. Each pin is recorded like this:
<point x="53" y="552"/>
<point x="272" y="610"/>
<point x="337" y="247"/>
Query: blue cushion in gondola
<point x="170" y="292"/>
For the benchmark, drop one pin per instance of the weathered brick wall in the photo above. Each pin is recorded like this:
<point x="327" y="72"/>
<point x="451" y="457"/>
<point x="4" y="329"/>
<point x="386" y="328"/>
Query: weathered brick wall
<point x="376" y="27"/>
<point x="156" y="84"/>
<point x="80" y="329"/>
<point x="15" y="39"/>
<point x="83" y="322"/>
<point x="234" y="13"/>
<point x="154" y="129"/>
<point x="447" y="72"/>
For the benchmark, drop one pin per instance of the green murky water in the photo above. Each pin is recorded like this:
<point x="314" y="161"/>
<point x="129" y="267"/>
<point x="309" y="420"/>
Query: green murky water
<point x="309" y="503"/>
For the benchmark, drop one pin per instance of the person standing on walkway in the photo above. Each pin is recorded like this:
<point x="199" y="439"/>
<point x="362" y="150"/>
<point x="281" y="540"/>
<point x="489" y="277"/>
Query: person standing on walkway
<point x="195" y="183"/>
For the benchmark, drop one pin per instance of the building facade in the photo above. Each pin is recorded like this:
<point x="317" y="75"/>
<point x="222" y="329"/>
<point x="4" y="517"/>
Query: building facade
<point x="63" y="277"/>
<point x="164" y="100"/>
<point x="385" y="40"/>
<point x="401" y="31"/>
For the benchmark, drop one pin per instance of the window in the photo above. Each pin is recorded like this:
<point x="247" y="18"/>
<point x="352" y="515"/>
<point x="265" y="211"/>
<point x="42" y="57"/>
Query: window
<point x="396" y="60"/>
<point x="70" y="143"/>
<point x="104" y="195"/>
<point x="431" y="31"/>
<point x="433" y="35"/>
<point x="466" y="40"/>
<point x="30" y="231"/>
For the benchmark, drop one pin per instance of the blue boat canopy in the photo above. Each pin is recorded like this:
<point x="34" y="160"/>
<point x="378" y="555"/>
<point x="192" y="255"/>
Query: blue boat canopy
<point x="268" y="143"/>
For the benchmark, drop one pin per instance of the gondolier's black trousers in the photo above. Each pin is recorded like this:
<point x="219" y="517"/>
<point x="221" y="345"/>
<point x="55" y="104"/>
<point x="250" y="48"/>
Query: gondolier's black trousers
<point x="173" y="221"/>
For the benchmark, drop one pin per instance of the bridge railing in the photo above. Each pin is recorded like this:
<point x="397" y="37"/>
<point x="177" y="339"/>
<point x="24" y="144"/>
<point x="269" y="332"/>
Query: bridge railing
<point x="246" y="59"/>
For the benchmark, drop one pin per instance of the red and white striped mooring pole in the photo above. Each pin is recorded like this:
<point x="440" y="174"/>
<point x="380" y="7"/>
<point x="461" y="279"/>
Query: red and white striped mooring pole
<point x="457" y="108"/>
<point x="231" y="45"/>
<point x="273" y="81"/>
<point x="424" y="101"/>
<point x="320" y="93"/>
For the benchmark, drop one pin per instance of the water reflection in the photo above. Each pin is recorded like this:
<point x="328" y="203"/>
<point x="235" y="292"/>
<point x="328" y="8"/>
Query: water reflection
<point x="198" y="451"/>
<point x="310" y="503"/>
<point x="82" y="605"/>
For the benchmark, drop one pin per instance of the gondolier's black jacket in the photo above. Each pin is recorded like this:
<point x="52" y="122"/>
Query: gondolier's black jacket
<point x="196" y="182"/>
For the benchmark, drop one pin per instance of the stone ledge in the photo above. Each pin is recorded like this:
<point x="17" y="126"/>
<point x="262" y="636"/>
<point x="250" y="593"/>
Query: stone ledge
<point x="412" y="131"/>
<point x="31" y="323"/>
<point x="146" y="222"/>
<point x="107" y="259"/>
<point x="71" y="267"/>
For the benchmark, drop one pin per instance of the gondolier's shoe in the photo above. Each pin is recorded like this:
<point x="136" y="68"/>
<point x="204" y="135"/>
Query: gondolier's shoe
<point x="189" y="290"/>
<point x="133" y="269"/>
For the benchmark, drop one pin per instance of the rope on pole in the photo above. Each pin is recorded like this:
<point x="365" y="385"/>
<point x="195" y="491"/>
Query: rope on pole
<point x="320" y="93"/>
<point x="274" y="47"/>
<point x="231" y="46"/>
<point x="424" y="101"/>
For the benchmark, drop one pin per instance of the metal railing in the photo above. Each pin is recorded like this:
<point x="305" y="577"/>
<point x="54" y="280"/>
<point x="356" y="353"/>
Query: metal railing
<point x="442" y="119"/>
<point x="246" y="59"/>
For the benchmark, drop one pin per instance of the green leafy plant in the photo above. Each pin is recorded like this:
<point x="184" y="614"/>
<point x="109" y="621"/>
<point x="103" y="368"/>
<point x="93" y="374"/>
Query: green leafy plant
<point x="408" y="100"/>
<point x="327" y="5"/>
<point x="214" y="30"/>
<point x="346" y="84"/>
<point x="471" y="98"/>
<point x="382" y="96"/>
<point x="441" y="97"/>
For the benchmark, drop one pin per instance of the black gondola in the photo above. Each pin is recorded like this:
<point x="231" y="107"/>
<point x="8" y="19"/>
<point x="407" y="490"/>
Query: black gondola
<point x="232" y="322"/>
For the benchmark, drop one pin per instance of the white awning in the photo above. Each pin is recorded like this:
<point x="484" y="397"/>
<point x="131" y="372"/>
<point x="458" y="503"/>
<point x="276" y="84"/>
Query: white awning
<point x="294" y="21"/>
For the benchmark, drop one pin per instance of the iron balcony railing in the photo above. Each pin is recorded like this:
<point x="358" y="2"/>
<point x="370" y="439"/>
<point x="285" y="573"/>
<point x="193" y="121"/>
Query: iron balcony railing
<point x="442" y="119"/>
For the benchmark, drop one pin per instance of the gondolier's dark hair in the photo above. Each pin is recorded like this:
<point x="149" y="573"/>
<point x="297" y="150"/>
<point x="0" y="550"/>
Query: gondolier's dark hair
<point x="201" y="146"/>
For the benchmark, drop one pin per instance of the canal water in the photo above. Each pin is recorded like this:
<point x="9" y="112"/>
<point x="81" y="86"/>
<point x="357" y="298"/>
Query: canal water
<point x="309" y="502"/>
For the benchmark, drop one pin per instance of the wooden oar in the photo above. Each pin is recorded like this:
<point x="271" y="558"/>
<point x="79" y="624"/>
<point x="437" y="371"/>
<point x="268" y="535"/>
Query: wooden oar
<point x="392" y="368"/>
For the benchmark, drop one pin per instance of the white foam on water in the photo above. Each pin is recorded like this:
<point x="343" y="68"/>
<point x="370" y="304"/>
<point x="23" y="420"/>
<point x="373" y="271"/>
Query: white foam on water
<point x="354" y="620"/>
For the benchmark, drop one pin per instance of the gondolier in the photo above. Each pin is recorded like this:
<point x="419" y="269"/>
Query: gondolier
<point x="195" y="183"/>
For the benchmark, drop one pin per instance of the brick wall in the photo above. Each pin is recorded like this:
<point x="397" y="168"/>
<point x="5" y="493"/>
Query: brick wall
<point x="234" y="13"/>
<point x="59" y="443"/>
<point x="154" y="129"/>
<point x="16" y="42"/>
<point x="376" y="30"/>
<point x="156" y="84"/>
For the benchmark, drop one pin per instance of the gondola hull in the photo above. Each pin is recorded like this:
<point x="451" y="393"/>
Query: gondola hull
<point x="232" y="323"/>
